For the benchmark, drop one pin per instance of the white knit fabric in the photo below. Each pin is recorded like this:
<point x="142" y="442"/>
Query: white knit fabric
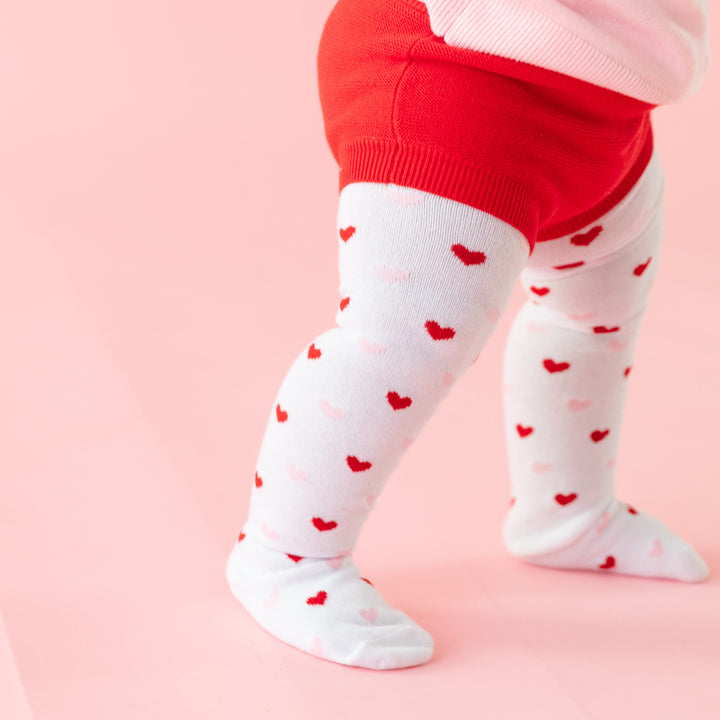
<point x="423" y="282"/>
<point x="657" y="51"/>
<point x="568" y="364"/>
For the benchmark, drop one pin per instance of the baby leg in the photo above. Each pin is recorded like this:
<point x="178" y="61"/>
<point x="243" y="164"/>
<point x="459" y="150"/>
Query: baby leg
<point x="567" y="367"/>
<point x="423" y="281"/>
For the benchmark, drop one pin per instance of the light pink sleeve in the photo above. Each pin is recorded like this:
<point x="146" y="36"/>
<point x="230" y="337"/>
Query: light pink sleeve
<point x="654" y="50"/>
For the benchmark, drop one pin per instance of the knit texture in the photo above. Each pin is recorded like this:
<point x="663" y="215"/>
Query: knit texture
<point x="423" y="283"/>
<point x="542" y="151"/>
<point x="655" y="50"/>
<point x="567" y="369"/>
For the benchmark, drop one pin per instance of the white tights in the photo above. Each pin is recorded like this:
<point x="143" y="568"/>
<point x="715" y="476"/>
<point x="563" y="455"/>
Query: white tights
<point x="423" y="282"/>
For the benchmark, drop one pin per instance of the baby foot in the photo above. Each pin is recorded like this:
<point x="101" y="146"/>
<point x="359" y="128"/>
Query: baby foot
<point x="622" y="540"/>
<point x="324" y="607"/>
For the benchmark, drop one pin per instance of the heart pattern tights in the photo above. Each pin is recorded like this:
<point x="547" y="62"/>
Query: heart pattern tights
<point x="423" y="283"/>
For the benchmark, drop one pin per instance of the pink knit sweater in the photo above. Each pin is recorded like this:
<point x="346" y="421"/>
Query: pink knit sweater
<point x="654" y="50"/>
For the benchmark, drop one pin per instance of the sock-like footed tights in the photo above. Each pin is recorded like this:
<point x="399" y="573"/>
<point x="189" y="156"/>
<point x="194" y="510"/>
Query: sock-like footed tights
<point x="568" y="362"/>
<point x="423" y="282"/>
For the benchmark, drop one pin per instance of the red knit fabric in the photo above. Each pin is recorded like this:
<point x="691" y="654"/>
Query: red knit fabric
<point x="545" y="152"/>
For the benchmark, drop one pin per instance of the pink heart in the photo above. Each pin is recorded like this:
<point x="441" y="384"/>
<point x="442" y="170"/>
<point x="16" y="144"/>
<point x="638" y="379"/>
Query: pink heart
<point x="271" y="600"/>
<point x="657" y="549"/>
<point x="583" y="316"/>
<point x="370" y="348"/>
<point x="405" y="197"/>
<point x="575" y="404"/>
<point x="386" y="662"/>
<point x="616" y="345"/>
<point x="603" y="523"/>
<point x="391" y="274"/>
<point x="448" y="379"/>
<point x="269" y="533"/>
<point x="330" y="411"/>
<point x="539" y="468"/>
<point x="535" y="329"/>
<point x="370" y="615"/>
<point x="296" y="474"/>
<point x="335" y="562"/>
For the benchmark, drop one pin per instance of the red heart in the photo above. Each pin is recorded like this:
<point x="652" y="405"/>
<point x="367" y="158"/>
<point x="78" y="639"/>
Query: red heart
<point x="586" y="238"/>
<point x="318" y="599"/>
<point x="609" y="563"/>
<point x="640" y="269"/>
<point x="282" y="415"/>
<point x="524" y="431"/>
<point x="295" y="558"/>
<point x="357" y="465"/>
<point x="397" y="402"/>
<point x="344" y="303"/>
<point x="552" y="367"/>
<point x="322" y="526"/>
<point x="569" y="265"/>
<point x="565" y="499"/>
<point x="540" y="291"/>
<point x="632" y="510"/>
<point x="241" y="537"/>
<point x="258" y="480"/>
<point x="602" y="329"/>
<point x="314" y="352"/>
<point x="598" y="435"/>
<point x="469" y="257"/>
<point x="347" y="233"/>
<point x="437" y="332"/>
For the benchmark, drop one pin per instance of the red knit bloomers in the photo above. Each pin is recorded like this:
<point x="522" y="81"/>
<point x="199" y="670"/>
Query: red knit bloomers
<point x="545" y="152"/>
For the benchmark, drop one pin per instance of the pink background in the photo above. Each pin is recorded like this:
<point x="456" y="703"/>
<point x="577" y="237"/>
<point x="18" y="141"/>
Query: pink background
<point x="167" y="215"/>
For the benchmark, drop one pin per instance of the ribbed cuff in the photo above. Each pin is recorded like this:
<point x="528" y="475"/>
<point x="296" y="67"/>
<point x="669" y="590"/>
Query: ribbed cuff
<point x="426" y="168"/>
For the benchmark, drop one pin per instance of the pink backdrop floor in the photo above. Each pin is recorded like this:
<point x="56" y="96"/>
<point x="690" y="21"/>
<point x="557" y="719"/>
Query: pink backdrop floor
<point x="167" y="221"/>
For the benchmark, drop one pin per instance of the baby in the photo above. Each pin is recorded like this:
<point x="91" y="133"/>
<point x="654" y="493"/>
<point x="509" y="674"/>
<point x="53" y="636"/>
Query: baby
<point x="478" y="142"/>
